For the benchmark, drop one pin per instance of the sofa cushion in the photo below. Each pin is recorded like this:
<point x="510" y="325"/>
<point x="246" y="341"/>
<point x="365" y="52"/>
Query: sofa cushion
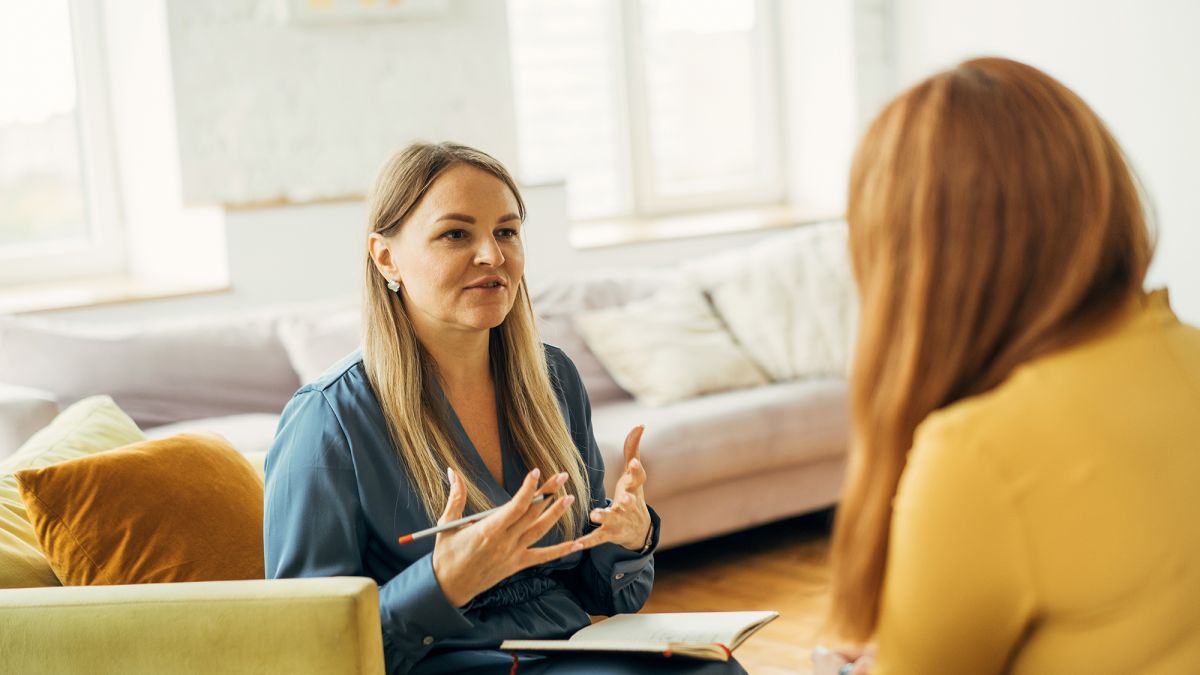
<point x="249" y="433"/>
<point x="668" y="347"/>
<point x="726" y="436"/>
<point x="90" y="426"/>
<point x="789" y="300"/>
<point x="22" y="412"/>
<point x="597" y="382"/>
<point x="557" y="304"/>
<point x="157" y="373"/>
<point x="183" y="508"/>
<point x="597" y="289"/>
<point x="316" y="340"/>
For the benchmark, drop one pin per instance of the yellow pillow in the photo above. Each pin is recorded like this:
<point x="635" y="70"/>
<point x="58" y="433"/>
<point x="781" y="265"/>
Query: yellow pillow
<point x="182" y="508"/>
<point x="92" y="425"/>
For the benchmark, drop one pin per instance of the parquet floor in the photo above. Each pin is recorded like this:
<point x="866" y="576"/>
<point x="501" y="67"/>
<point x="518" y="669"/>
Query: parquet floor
<point x="781" y="566"/>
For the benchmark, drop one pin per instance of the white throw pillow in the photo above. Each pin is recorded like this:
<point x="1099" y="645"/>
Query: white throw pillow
<point x="668" y="347"/>
<point x="557" y="302"/>
<point x="789" y="300"/>
<point x="600" y="386"/>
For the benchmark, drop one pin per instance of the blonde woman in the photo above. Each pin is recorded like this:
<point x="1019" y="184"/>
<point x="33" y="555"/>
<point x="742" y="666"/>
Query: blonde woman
<point x="453" y="405"/>
<point x="1022" y="494"/>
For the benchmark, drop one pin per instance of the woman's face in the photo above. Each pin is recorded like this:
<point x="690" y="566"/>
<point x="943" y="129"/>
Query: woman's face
<point x="458" y="256"/>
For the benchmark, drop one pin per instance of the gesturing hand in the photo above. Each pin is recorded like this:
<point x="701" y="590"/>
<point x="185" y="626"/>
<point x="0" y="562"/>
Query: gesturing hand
<point x="627" y="521"/>
<point x="469" y="560"/>
<point x="843" y="661"/>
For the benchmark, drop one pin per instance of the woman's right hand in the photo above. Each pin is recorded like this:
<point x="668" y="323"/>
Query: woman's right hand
<point x="473" y="558"/>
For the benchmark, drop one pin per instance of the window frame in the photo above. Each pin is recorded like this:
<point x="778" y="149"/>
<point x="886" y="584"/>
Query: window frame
<point x="102" y="251"/>
<point x="769" y="191"/>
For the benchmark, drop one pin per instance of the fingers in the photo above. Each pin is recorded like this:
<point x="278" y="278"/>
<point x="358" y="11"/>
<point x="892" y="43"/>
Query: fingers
<point x="635" y="475"/>
<point x="594" y="538"/>
<point x="457" y="499"/>
<point x="538" y="556"/>
<point x="520" y="502"/>
<point x="542" y="524"/>
<point x="826" y="661"/>
<point x="613" y="515"/>
<point x="633" y="442"/>
<point x="535" y="510"/>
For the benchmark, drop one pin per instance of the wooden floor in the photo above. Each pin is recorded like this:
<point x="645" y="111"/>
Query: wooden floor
<point x="782" y="566"/>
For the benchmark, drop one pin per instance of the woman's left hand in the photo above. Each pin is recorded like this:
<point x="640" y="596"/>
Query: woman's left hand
<point x="846" y="661"/>
<point x="627" y="521"/>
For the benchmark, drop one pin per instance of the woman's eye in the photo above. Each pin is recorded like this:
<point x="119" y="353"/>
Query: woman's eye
<point x="507" y="233"/>
<point x="454" y="234"/>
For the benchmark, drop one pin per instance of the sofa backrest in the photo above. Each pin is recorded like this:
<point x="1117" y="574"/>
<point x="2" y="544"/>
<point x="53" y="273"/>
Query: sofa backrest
<point x="158" y="372"/>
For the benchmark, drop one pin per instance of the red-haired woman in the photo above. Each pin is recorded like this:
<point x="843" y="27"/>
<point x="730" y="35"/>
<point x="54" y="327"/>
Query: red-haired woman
<point x="1022" y="495"/>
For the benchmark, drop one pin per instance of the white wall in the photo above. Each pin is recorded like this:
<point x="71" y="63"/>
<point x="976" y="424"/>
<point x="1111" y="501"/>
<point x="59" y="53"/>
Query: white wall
<point x="300" y="254"/>
<point x="270" y="109"/>
<point x="1135" y="63"/>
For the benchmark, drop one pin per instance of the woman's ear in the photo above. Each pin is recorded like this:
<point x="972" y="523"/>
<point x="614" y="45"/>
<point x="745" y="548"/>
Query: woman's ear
<point x="381" y="253"/>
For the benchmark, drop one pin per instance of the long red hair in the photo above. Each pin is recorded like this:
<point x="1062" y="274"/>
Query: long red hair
<point x="993" y="219"/>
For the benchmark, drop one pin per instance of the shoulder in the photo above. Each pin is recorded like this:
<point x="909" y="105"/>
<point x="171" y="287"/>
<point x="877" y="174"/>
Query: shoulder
<point x="312" y="427"/>
<point x="341" y="386"/>
<point x="558" y="361"/>
<point x="564" y="376"/>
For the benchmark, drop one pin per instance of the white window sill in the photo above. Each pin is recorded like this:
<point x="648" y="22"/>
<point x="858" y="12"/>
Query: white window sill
<point x="90" y="292"/>
<point x="625" y="231"/>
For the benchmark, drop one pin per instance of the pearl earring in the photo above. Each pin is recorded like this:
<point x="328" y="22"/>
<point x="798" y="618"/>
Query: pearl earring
<point x="393" y="285"/>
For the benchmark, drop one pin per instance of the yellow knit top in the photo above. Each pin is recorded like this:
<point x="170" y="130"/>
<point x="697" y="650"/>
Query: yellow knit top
<point x="1052" y="525"/>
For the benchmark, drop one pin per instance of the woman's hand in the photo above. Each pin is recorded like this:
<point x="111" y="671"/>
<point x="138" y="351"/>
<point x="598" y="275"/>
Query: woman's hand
<point x="844" y="661"/>
<point x="627" y="521"/>
<point x="471" y="559"/>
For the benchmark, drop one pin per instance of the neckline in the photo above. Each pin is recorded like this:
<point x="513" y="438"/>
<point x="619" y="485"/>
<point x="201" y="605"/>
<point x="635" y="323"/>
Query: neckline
<point x="512" y="470"/>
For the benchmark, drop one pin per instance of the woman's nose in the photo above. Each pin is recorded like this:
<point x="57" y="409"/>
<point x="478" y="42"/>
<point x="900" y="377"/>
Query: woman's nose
<point x="489" y="253"/>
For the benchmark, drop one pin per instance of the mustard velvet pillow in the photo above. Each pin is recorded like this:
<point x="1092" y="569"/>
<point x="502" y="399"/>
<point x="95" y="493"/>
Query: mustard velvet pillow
<point x="89" y="426"/>
<point x="182" y="508"/>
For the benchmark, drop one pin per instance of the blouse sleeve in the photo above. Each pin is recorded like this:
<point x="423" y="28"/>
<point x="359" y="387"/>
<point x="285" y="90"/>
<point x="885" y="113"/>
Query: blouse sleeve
<point x="958" y="591"/>
<point x="314" y="527"/>
<point x="610" y="579"/>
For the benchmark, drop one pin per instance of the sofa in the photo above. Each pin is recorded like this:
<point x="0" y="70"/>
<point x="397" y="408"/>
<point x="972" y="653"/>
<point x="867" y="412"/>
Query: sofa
<point x="734" y="363"/>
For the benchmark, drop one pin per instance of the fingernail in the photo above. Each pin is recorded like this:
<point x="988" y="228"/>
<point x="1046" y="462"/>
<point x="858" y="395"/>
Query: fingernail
<point x="536" y="473"/>
<point x="821" y="650"/>
<point x="635" y="463"/>
<point x="568" y="500"/>
<point x="561" y="478"/>
<point x="450" y="475"/>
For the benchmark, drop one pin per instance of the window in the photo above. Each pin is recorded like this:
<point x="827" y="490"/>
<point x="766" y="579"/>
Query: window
<point x="57" y="200"/>
<point x="648" y="107"/>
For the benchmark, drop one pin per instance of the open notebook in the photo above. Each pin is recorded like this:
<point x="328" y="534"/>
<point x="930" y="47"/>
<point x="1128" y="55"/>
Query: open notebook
<point x="702" y="635"/>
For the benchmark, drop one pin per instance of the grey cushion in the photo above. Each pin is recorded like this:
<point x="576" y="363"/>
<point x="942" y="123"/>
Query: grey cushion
<point x="156" y="373"/>
<point x="23" y="411"/>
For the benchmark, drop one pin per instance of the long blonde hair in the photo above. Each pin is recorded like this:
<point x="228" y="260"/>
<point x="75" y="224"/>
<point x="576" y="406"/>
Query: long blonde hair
<point x="993" y="219"/>
<point x="404" y="375"/>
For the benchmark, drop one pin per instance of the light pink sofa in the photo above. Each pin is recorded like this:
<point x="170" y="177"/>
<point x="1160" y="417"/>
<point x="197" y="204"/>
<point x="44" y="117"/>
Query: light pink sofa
<point x="717" y="463"/>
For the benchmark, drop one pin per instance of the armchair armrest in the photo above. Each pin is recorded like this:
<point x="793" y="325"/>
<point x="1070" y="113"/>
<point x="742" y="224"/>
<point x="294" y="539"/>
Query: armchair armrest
<point x="22" y="412"/>
<point x="326" y="625"/>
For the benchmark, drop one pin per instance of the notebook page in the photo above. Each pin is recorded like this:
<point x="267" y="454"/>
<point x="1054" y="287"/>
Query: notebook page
<point x="691" y="627"/>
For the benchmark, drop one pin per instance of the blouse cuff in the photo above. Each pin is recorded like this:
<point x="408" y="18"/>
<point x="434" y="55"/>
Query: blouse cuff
<point x="622" y="565"/>
<point x="415" y="612"/>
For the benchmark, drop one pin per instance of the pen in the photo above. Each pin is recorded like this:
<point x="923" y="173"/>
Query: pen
<point x="409" y="538"/>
